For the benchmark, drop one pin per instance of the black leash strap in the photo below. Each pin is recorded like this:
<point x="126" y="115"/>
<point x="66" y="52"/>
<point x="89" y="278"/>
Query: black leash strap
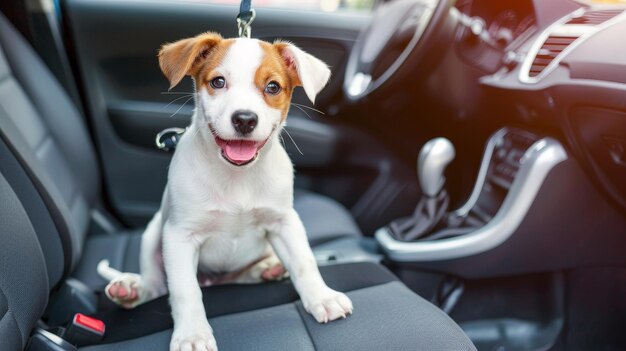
<point x="244" y="18"/>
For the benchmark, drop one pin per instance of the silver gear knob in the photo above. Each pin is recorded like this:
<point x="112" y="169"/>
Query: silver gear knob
<point x="432" y="161"/>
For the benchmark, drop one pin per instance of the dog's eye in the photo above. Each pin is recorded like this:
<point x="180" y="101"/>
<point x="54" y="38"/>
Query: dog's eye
<point x="218" y="82"/>
<point x="272" y="88"/>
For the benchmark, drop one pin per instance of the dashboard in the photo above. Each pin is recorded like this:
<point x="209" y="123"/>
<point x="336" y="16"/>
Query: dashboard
<point x="556" y="66"/>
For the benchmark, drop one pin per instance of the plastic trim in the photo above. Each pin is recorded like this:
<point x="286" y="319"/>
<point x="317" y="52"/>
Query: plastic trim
<point x="495" y="140"/>
<point x="560" y="27"/>
<point x="537" y="162"/>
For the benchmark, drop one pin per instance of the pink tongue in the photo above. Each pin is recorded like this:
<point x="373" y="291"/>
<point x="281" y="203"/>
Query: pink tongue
<point x="240" y="150"/>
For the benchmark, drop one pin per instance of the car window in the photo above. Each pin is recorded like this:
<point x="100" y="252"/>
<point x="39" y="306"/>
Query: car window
<point x="313" y="5"/>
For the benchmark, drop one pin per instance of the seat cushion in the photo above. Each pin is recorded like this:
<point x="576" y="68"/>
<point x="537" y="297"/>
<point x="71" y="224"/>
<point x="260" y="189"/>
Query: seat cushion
<point x="324" y="219"/>
<point x="387" y="315"/>
<point x="121" y="249"/>
<point x="154" y="316"/>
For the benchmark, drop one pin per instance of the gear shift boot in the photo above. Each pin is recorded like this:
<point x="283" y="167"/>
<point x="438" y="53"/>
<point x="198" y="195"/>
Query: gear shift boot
<point x="432" y="208"/>
<point x="429" y="213"/>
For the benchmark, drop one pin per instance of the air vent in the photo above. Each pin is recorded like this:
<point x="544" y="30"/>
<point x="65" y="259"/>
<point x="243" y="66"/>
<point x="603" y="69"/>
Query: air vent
<point x="595" y="17"/>
<point x="551" y="48"/>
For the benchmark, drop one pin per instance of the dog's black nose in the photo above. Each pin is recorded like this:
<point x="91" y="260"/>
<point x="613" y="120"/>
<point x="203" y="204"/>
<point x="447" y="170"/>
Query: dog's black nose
<point x="245" y="121"/>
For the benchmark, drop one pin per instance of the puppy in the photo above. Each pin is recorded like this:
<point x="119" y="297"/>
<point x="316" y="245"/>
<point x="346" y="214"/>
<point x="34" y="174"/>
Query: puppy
<point x="227" y="211"/>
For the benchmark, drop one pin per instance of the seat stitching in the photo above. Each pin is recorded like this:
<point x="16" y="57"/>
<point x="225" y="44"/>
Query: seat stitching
<point x="308" y="332"/>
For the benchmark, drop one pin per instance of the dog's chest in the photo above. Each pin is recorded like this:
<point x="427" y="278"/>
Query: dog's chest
<point x="229" y="215"/>
<point x="230" y="240"/>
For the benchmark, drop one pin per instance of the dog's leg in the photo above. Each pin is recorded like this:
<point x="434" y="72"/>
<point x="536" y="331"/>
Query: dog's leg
<point x="151" y="258"/>
<point x="291" y="244"/>
<point x="180" y="257"/>
<point x="128" y="289"/>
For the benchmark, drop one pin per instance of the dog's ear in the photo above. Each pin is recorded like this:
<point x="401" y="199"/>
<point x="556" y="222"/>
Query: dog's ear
<point x="181" y="58"/>
<point x="304" y="69"/>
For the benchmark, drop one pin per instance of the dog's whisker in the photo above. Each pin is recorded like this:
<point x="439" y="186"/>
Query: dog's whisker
<point x="283" y="140"/>
<point x="181" y="107"/>
<point x="309" y="107"/>
<point x="293" y="141"/>
<point x="178" y="98"/>
<point x="195" y="132"/>
<point x="176" y="92"/>
<point x="300" y="108"/>
<point x="213" y="132"/>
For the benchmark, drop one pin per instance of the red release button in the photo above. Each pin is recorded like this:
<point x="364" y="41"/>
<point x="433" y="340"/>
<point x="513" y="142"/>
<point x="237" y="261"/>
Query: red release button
<point x="90" y="323"/>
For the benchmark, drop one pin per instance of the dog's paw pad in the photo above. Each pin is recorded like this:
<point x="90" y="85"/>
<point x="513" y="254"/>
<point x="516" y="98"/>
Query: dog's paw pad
<point x="333" y="305"/>
<point x="276" y="272"/>
<point x="124" y="290"/>
<point x="119" y="292"/>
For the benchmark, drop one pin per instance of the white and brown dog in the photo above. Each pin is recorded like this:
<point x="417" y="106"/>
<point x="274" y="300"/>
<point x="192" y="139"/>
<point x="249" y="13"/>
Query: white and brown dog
<point x="227" y="211"/>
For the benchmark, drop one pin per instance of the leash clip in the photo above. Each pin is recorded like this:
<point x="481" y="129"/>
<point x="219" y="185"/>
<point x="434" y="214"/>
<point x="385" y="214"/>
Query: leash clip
<point x="244" y="23"/>
<point x="167" y="139"/>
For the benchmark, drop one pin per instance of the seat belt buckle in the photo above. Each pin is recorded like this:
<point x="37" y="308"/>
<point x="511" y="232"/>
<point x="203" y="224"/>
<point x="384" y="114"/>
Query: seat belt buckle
<point x="84" y="330"/>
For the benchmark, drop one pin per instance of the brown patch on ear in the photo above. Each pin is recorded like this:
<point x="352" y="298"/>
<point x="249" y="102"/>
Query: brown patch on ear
<point x="289" y="62"/>
<point x="206" y="69"/>
<point x="182" y="57"/>
<point x="273" y="67"/>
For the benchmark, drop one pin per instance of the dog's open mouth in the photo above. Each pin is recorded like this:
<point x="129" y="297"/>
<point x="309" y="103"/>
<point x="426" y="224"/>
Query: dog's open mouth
<point x="239" y="151"/>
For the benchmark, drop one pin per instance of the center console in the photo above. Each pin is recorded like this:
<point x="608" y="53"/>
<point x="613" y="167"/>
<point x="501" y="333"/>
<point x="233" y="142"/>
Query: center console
<point x="532" y="209"/>
<point x="514" y="167"/>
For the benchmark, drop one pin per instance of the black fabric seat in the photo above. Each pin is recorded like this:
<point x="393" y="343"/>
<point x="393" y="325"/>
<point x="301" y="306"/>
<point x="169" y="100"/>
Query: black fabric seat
<point x="49" y="136"/>
<point x="270" y="317"/>
<point x="154" y="316"/>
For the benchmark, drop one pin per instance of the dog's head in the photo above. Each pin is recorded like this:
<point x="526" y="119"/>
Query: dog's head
<point x="243" y="88"/>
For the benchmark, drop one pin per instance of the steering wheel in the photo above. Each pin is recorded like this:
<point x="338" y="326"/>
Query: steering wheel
<point x="397" y="39"/>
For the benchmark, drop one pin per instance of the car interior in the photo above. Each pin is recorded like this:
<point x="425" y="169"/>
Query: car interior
<point x="462" y="177"/>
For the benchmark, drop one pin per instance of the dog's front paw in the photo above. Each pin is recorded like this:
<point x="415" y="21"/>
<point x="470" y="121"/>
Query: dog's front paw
<point x="127" y="290"/>
<point x="328" y="305"/>
<point x="194" y="338"/>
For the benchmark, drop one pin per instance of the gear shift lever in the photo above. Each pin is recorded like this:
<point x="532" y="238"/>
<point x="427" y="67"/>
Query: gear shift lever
<point x="431" y="163"/>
